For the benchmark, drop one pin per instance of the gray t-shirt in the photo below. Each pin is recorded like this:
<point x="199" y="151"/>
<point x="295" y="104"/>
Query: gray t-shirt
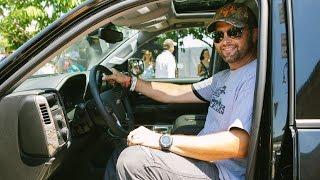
<point x="230" y="94"/>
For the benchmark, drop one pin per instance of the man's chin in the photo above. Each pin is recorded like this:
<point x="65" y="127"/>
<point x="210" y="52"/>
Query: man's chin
<point x="228" y="55"/>
<point x="229" y="59"/>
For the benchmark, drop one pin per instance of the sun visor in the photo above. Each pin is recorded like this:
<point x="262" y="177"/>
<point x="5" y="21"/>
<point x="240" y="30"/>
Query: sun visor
<point x="196" y="6"/>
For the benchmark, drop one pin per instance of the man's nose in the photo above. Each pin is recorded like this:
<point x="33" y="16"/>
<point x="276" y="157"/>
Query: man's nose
<point x="226" y="38"/>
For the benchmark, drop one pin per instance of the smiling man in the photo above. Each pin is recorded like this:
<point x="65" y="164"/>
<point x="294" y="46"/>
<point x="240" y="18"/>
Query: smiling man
<point x="219" y="151"/>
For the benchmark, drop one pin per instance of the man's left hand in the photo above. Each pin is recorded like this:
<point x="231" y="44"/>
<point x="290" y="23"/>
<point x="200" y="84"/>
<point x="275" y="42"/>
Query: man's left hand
<point x="145" y="137"/>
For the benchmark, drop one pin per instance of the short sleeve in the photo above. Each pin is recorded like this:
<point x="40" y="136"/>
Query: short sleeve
<point x="203" y="89"/>
<point x="241" y="115"/>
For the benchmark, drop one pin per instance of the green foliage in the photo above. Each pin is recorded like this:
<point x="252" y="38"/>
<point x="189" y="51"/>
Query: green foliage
<point x="21" y="20"/>
<point x="197" y="33"/>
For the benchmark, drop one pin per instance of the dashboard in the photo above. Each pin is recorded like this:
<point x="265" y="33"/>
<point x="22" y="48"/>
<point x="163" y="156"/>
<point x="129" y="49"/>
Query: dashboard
<point x="37" y="122"/>
<point x="71" y="87"/>
<point x="72" y="91"/>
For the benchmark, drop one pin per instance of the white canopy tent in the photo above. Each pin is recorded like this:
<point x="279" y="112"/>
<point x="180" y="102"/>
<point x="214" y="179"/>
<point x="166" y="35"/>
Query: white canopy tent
<point x="189" y="55"/>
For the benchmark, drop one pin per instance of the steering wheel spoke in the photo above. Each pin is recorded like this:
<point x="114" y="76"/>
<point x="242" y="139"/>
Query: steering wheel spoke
<point x="113" y="104"/>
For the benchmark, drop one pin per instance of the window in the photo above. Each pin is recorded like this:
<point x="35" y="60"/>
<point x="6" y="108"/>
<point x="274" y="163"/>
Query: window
<point x="186" y="54"/>
<point x="307" y="58"/>
<point x="84" y="53"/>
<point x="279" y="68"/>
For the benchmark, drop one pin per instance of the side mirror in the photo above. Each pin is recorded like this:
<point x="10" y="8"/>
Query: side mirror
<point x="110" y="36"/>
<point x="135" y="66"/>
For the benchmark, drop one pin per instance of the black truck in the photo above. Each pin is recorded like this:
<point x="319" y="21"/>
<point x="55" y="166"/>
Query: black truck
<point x="59" y="121"/>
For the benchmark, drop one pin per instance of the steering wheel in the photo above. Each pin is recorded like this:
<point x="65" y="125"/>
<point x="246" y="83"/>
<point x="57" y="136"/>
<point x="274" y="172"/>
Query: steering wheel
<point x="113" y="104"/>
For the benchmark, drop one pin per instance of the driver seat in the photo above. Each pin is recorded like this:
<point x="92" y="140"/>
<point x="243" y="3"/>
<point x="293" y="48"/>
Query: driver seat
<point x="190" y="124"/>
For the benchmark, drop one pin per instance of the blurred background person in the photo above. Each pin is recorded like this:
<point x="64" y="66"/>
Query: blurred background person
<point x="203" y="66"/>
<point x="148" y="61"/>
<point x="71" y="65"/>
<point x="165" y="62"/>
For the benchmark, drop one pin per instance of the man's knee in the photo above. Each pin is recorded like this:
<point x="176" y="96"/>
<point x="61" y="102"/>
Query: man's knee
<point x="132" y="159"/>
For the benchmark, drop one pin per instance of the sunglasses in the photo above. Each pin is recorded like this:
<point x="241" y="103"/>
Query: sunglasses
<point x="233" y="33"/>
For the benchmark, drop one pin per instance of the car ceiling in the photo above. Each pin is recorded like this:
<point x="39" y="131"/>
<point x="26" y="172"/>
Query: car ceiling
<point x="158" y="16"/>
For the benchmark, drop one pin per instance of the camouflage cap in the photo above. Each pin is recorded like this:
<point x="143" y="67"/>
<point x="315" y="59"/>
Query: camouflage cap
<point x="236" y="14"/>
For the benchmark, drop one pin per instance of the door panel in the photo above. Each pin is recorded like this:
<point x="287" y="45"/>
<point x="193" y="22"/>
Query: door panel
<point x="306" y="81"/>
<point x="148" y="111"/>
<point x="309" y="153"/>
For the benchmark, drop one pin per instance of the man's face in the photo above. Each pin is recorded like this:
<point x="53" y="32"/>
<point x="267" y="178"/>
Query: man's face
<point x="233" y="49"/>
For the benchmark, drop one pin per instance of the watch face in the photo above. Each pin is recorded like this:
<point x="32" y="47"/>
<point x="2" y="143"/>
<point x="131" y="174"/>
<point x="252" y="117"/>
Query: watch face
<point x="166" y="140"/>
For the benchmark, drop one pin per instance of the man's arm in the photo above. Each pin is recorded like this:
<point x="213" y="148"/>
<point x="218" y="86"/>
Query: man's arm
<point x="211" y="147"/>
<point x="167" y="92"/>
<point x="163" y="92"/>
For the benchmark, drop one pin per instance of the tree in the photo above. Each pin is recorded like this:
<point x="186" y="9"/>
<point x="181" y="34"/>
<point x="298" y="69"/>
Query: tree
<point x="197" y="33"/>
<point x="21" y="20"/>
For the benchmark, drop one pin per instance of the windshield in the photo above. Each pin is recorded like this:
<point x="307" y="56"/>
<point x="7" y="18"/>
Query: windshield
<point x="83" y="54"/>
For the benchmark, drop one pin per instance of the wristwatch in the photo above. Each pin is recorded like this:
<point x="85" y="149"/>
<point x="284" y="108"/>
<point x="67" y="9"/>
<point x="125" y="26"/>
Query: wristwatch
<point x="165" y="142"/>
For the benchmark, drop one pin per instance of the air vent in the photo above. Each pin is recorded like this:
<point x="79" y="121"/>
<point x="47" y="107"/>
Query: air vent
<point x="45" y="114"/>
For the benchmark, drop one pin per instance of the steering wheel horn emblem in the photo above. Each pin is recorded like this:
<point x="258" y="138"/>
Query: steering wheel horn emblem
<point x="118" y="101"/>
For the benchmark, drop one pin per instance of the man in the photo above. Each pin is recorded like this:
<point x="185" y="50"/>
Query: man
<point x="165" y="62"/>
<point x="219" y="150"/>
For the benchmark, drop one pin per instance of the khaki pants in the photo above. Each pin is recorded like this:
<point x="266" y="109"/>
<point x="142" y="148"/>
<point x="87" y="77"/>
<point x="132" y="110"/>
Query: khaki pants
<point x="139" y="162"/>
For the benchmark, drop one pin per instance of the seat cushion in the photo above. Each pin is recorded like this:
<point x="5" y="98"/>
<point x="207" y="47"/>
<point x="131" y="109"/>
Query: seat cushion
<point x="190" y="124"/>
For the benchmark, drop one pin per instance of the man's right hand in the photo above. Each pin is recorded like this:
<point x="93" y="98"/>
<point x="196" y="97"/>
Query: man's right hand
<point x="159" y="91"/>
<point x="117" y="77"/>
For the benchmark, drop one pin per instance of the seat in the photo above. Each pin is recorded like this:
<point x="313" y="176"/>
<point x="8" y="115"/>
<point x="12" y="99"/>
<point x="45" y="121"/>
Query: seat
<point x="190" y="124"/>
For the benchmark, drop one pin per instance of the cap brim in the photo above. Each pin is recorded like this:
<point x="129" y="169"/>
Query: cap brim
<point x="233" y="22"/>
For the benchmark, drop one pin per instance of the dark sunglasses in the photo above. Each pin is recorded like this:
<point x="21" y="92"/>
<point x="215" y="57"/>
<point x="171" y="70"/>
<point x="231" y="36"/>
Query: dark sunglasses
<point x="233" y="33"/>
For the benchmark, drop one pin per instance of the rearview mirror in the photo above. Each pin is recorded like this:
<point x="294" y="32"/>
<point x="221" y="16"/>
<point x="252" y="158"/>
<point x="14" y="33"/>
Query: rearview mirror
<point x="110" y="36"/>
